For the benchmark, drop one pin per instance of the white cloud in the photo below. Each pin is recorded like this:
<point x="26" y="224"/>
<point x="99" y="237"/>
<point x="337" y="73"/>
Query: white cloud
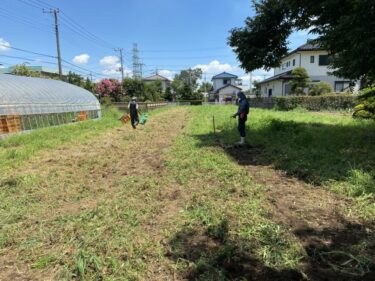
<point x="215" y="67"/>
<point x="116" y="72"/>
<point x="110" y="61"/>
<point x="81" y="59"/>
<point x="112" y="67"/>
<point x="4" y="45"/>
<point x="167" y="73"/>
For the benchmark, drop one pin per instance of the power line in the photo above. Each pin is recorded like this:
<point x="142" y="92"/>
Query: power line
<point x="184" y="50"/>
<point x="30" y="4"/>
<point x="26" y="22"/>
<point x="69" y="26"/>
<point x="27" y="51"/>
<point x="86" y="69"/>
<point x="49" y="56"/>
<point x="83" y="29"/>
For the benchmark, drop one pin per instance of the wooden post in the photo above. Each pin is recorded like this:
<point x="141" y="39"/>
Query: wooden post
<point x="213" y="123"/>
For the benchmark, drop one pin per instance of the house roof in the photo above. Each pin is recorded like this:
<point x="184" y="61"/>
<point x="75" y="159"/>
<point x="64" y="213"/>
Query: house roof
<point x="224" y="75"/>
<point x="285" y="75"/>
<point x="310" y="45"/>
<point x="155" y="77"/>
<point x="226" y="86"/>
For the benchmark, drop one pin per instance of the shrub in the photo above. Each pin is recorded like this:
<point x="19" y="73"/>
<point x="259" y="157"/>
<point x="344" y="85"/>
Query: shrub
<point x="300" y="80"/>
<point x="366" y="108"/>
<point x="320" y="88"/>
<point x="316" y="103"/>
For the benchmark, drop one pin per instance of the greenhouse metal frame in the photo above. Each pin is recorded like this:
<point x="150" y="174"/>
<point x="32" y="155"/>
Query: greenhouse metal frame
<point x="28" y="103"/>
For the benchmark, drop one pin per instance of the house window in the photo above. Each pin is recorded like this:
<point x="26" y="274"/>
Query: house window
<point x="225" y="81"/>
<point x="288" y="89"/>
<point x="323" y="60"/>
<point x="312" y="59"/>
<point x="294" y="62"/>
<point x="341" y="86"/>
<point x="269" y="93"/>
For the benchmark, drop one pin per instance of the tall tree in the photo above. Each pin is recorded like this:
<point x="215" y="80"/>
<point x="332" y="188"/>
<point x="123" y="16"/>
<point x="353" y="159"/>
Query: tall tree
<point x="154" y="90"/>
<point x="134" y="88"/>
<point x="345" y="28"/>
<point x="75" y="79"/>
<point x="185" y="84"/>
<point x="205" y="87"/>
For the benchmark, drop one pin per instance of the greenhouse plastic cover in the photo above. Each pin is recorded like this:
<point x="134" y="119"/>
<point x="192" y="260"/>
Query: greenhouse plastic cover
<point x="27" y="95"/>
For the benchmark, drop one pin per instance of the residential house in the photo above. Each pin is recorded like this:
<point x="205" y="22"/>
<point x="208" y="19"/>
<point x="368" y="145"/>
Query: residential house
<point x="225" y="87"/>
<point x="165" y="82"/>
<point x="314" y="59"/>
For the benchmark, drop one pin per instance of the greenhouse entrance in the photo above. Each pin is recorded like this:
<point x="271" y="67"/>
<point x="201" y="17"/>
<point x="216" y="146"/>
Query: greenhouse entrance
<point x="31" y="103"/>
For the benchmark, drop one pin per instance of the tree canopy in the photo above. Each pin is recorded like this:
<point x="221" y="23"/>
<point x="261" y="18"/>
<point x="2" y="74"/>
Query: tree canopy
<point x="185" y="84"/>
<point x="346" y="29"/>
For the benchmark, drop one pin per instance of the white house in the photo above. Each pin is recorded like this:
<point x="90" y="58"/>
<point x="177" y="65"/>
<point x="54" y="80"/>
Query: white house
<point x="165" y="82"/>
<point x="309" y="56"/>
<point x="225" y="87"/>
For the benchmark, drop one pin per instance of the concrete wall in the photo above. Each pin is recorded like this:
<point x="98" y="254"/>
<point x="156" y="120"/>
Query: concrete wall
<point x="276" y="87"/>
<point x="228" y="91"/>
<point x="219" y="83"/>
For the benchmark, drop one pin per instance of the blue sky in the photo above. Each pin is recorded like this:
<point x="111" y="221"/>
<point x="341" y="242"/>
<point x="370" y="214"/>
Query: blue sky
<point x="171" y="34"/>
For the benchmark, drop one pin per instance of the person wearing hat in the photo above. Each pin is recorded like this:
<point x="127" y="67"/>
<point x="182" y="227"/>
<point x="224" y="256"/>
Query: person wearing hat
<point x="133" y="111"/>
<point x="242" y="112"/>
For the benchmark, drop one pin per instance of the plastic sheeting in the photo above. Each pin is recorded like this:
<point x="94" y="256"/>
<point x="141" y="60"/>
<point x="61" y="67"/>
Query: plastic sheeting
<point x="28" y="95"/>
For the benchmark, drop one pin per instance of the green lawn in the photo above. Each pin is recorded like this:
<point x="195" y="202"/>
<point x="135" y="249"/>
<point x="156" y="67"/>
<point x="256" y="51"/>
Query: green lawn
<point x="326" y="149"/>
<point x="166" y="201"/>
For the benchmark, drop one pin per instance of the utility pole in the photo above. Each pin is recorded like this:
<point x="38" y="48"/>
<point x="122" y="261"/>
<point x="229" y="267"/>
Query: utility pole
<point x="91" y="76"/>
<point x="121" y="61"/>
<point x="55" y="12"/>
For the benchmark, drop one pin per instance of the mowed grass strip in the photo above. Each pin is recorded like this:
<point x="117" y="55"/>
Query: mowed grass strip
<point x="196" y="215"/>
<point x="332" y="150"/>
<point x="222" y="231"/>
<point x="14" y="150"/>
<point x="38" y="210"/>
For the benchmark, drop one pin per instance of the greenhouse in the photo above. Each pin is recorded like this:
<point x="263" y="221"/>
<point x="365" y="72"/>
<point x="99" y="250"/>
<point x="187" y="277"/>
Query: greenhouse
<point x="28" y="103"/>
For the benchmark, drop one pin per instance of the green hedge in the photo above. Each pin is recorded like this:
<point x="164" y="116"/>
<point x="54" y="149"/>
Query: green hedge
<point x="316" y="103"/>
<point x="366" y="108"/>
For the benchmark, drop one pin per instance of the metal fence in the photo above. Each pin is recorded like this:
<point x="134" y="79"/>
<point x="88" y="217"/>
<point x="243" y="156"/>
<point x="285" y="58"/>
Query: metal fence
<point x="15" y="123"/>
<point x="143" y="106"/>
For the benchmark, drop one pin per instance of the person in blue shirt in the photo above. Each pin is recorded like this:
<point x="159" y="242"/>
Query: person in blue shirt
<point x="242" y="112"/>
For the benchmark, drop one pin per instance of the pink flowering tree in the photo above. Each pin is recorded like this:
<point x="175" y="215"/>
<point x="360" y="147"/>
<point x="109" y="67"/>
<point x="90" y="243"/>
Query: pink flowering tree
<point x="110" y="88"/>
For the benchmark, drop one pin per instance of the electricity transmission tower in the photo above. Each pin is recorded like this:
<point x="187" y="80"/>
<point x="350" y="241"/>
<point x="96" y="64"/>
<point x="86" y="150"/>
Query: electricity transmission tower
<point x="137" y="65"/>
<point x="55" y="12"/>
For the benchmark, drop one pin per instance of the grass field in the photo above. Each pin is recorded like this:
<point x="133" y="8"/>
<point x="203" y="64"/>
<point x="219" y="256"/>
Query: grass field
<point x="101" y="201"/>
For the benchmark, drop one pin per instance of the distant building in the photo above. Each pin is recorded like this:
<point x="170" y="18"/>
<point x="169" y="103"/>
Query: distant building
<point x="314" y="59"/>
<point x="46" y="71"/>
<point x="225" y="87"/>
<point x="165" y="82"/>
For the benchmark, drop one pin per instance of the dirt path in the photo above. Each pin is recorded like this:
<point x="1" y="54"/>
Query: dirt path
<point x="93" y="167"/>
<point x="320" y="220"/>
